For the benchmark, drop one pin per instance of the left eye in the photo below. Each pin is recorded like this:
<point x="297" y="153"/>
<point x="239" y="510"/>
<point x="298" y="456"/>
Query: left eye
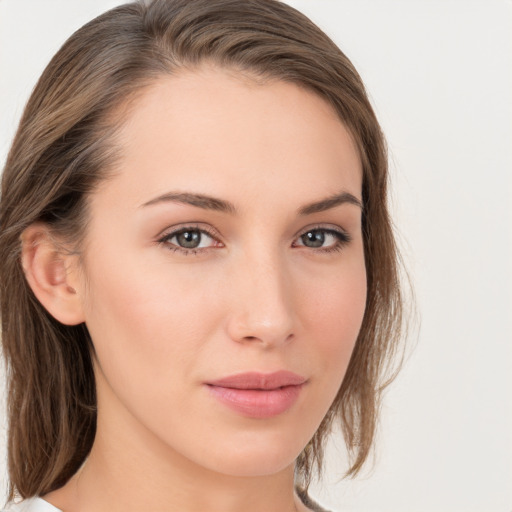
<point x="321" y="238"/>
<point x="190" y="239"/>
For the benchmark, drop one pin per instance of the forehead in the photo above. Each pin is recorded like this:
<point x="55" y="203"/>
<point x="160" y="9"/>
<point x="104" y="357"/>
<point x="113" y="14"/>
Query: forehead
<point x="210" y="128"/>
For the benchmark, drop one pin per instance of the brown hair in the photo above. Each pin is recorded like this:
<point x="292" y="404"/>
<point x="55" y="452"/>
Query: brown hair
<point x="64" y="148"/>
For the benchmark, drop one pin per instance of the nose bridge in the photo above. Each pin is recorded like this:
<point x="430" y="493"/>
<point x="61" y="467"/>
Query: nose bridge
<point x="263" y="306"/>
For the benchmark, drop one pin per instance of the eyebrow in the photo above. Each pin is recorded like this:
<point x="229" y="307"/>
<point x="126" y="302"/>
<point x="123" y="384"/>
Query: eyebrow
<point x="199" y="200"/>
<point x="220" y="205"/>
<point x="330" y="202"/>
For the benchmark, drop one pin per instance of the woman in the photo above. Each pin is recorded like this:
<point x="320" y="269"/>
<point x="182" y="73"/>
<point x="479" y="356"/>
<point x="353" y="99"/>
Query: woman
<point x="199" y="276"/>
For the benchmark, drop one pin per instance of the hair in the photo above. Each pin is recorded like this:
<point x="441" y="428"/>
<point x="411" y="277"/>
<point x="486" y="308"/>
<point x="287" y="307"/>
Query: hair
<point x="64" y="148"/>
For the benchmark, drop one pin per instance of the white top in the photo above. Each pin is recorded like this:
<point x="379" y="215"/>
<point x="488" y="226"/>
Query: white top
<point x="31" y="505"/>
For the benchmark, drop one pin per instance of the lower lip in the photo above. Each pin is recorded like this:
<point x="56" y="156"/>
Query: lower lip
<point x="255" y="403"/>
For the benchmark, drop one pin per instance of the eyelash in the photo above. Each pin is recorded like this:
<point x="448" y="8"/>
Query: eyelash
<point x="343" y="239"/>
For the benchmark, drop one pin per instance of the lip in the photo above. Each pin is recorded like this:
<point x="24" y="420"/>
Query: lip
<point x="258" y="395"/>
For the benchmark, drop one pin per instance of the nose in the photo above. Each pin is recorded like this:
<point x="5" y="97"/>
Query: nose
<point x="262" y="302"/>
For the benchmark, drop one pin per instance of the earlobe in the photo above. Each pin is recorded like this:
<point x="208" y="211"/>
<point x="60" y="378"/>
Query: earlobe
<point x="52" y="274"/>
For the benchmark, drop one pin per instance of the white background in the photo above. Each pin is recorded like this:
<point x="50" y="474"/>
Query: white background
<point x="440" y="77"/>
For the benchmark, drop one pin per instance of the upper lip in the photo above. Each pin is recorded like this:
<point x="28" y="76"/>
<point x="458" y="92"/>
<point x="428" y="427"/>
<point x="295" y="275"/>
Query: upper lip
<point x="257" y="380"/>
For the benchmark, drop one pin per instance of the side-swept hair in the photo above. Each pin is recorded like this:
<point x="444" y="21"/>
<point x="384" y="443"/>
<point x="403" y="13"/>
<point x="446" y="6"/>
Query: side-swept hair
<point x="63" y="149"/>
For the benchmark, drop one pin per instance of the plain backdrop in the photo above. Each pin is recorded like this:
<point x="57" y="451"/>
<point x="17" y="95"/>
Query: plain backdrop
<point x="440" y="77"/>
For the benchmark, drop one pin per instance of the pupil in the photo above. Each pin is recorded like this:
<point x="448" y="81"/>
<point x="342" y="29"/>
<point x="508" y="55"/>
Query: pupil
<point x="313" y="239"/>
<point x="189" y="239"/>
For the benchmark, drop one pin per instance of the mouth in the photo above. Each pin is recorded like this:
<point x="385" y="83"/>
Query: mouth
<point x="258" y="395"/>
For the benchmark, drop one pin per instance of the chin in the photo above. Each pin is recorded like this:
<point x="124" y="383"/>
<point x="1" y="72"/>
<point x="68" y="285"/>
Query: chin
<point x="252" y="465"/>
<point x="259" y="456"/>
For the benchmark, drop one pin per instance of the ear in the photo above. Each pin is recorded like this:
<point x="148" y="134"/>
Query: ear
<point x="52" y="274"/>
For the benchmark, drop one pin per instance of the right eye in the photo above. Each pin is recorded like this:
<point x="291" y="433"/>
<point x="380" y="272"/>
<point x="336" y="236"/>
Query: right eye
<point x="189" y="240"/>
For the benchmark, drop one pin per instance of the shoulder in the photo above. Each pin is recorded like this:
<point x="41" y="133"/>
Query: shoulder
<point x="30" y="505"/>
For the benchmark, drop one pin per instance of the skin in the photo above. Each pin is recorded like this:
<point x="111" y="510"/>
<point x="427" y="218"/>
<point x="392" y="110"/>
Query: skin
<point x="254" y="297"/>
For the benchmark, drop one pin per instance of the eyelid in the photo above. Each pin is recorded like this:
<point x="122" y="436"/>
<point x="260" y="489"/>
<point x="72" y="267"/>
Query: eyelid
<point x="332" y="228"/>
<point x="197" y="226"/>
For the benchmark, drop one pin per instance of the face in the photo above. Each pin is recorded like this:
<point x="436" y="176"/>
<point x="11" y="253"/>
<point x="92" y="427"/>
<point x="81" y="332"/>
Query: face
<point x="228" y="241"/>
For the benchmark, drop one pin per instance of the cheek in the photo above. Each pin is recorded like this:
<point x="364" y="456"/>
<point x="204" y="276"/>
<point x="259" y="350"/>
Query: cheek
<point x="146" y="327"/>
<point x="335" y="313"/>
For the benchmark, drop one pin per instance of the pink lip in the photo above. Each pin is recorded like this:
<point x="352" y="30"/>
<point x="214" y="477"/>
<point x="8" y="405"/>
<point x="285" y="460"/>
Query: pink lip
<point x="258" y="395"/>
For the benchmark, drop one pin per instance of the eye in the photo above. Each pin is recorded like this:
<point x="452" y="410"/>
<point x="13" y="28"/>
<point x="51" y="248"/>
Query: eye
<point x="189" y="239"/>
<point x="324" y="239"/>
